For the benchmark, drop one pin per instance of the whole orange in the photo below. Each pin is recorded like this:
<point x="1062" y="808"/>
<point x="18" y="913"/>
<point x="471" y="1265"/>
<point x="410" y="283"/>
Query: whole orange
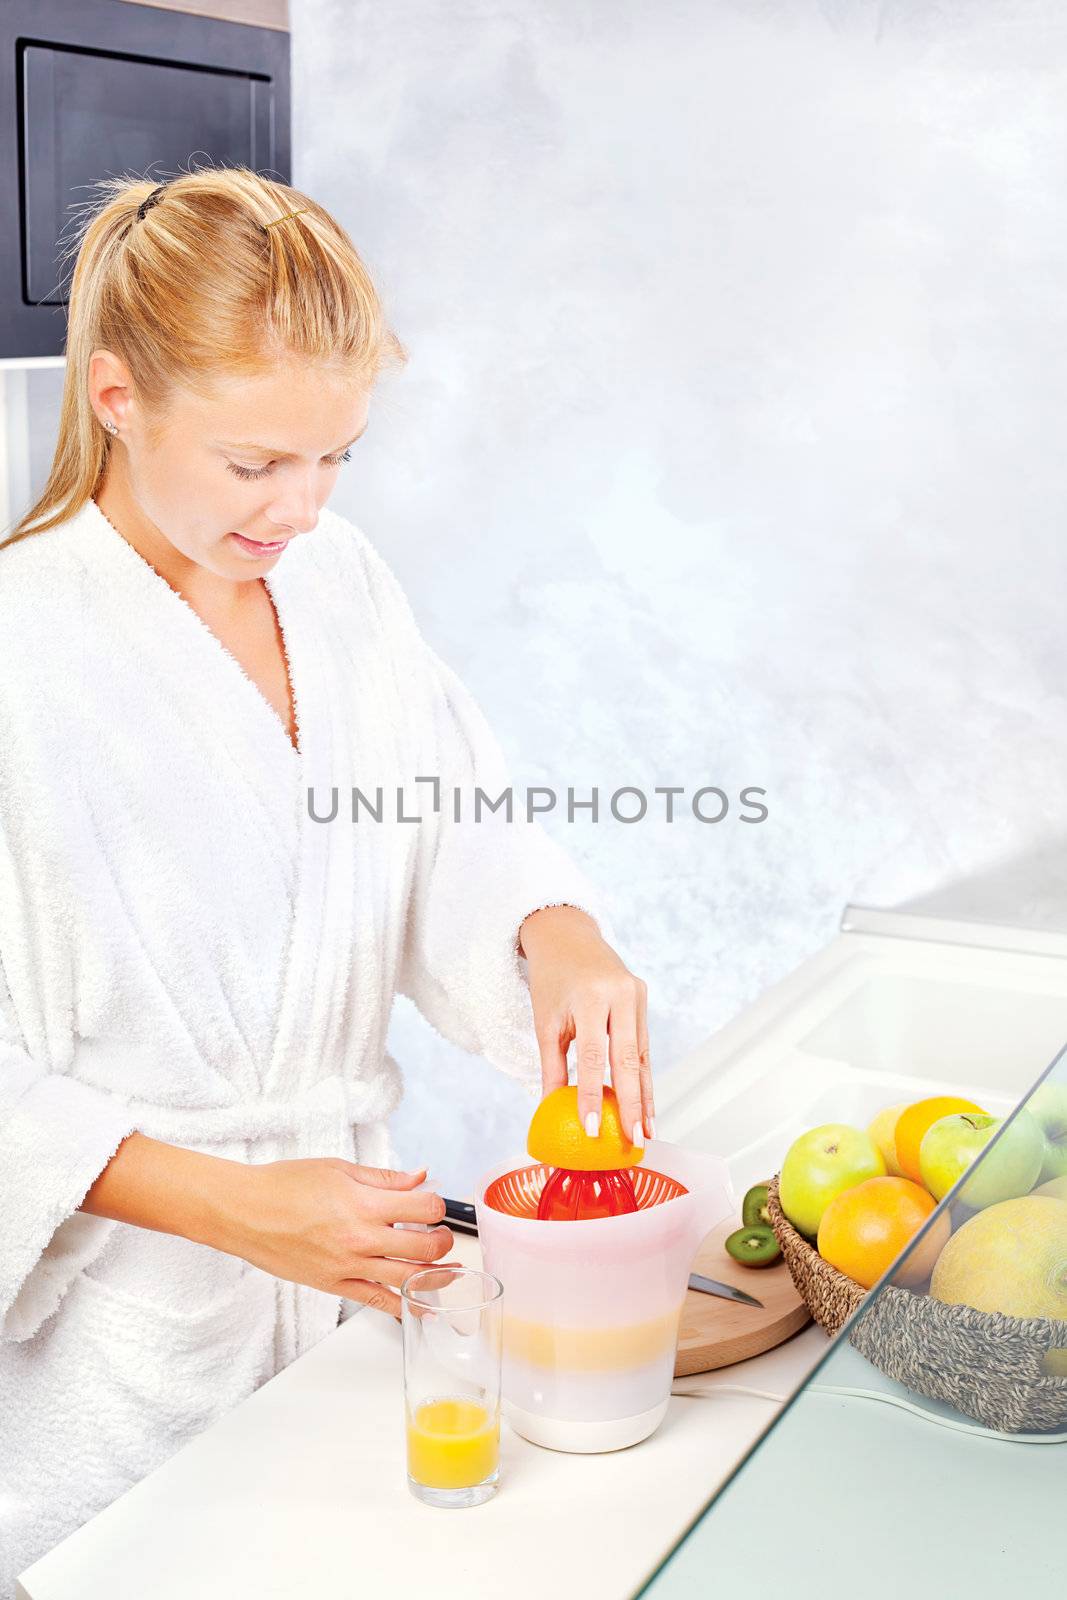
<point x="915" y="1120"/>
<point x="865" y="1228"/>
<point x="557" y="1138"/>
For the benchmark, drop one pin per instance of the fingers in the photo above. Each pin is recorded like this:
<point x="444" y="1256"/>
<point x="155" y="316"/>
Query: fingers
<point x="391" y="1196"/>
<point x="625" y="1054"/>
<point x="620" y="1039"/>
<point x="591" y="1052"/>
<point x="370" y="1294"/>
<point x="390" y="1274"/>
<point x="385" y="1275"/>
<point x="384" y="1177"/>
<point x="553" y="1042"/>
<point x="404" y="1244"/>
<point x="408" y="1246"/>
<point x="648" y="1098"/>
<point x="391" y="1205"/>
<point x="394" y="1273"/>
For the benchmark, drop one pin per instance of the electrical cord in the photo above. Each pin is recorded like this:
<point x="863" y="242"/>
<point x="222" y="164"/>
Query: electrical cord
<point x="727" y="1388"/>
<point x="849" y="1392"/>
<point x="957" y="1425"/>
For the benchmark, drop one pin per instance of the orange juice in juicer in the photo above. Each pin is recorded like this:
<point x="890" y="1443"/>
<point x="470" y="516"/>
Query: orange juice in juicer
<point x="591" y="1309"/>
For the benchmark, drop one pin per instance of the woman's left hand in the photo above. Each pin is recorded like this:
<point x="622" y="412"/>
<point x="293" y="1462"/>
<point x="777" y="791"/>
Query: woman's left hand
<point x="581" y="990"/>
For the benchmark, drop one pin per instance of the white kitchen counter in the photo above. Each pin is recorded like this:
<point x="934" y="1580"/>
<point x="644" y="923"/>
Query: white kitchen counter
<point x="301" y="1491"/>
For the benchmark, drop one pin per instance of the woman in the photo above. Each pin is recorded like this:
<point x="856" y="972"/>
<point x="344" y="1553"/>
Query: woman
<point x="196" y="963"/>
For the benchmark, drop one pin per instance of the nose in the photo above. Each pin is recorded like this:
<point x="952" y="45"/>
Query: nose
<point x="296" y="511"/>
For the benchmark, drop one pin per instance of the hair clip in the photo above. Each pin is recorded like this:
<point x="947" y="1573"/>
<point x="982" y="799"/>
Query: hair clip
<point x="288" y="214"/>
<point x="153" y="200"/>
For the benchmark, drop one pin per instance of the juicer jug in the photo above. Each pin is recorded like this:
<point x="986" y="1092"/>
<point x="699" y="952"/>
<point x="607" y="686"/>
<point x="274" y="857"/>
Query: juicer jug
<point x="591" y="1308"/>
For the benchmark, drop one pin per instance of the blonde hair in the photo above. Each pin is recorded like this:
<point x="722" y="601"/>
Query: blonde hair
<point x="224" y="275"/>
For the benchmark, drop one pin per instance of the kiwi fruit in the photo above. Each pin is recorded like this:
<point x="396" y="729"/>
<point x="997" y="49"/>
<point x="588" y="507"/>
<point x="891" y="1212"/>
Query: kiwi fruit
<point x="755" y="1213"/>
<point x="754" y="1246"/>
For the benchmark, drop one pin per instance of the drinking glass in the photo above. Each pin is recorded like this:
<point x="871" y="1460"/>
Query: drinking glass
<point x="451" y="1321"/>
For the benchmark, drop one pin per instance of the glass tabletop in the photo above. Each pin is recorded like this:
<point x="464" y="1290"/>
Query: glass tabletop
<point x="920" y="1456"/>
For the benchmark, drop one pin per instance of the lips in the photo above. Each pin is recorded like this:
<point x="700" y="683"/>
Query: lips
<point x="267" y="547"/>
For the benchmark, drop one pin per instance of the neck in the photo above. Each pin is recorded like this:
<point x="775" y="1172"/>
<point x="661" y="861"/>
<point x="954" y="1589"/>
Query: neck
<point x="206" y="591"/>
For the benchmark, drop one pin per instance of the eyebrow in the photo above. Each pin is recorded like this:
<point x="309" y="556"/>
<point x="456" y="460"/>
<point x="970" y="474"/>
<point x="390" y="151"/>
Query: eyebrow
<point x="284" y="455"/>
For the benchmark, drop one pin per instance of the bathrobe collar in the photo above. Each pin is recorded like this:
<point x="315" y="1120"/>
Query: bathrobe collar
<point x="212" y="667"/>
<point x="219" y="691"/>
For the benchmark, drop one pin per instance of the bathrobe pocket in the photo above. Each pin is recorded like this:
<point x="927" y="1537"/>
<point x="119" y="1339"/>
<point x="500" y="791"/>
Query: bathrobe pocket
<point x="151" y="1372"/>
<point x="149" y="1346"/>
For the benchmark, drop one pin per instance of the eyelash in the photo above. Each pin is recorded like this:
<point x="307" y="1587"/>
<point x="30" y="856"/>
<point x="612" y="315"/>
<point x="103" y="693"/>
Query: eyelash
<point x="261" y="472"/>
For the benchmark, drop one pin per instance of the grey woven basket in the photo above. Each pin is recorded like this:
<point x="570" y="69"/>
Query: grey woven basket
<point x="986" y="1365"/>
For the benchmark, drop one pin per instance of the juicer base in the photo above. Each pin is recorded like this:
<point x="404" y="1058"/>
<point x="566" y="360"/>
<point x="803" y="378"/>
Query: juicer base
<point x="584" y="1438"/>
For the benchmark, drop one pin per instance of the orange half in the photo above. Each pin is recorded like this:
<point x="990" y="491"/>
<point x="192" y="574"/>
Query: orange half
<point x="557" y="1138"/>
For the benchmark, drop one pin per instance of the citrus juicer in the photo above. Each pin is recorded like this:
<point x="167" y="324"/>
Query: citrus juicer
<point x="591" y="1306"/>
<point x="570" y="1196"/>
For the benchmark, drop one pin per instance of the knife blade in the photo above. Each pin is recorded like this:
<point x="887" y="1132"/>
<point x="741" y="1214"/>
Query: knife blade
<point x="725" y="1291"/>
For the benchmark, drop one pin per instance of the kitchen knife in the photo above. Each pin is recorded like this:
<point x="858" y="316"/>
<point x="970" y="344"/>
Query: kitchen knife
<point x="725" y="1291"/>
<point x="462" y="1217"/>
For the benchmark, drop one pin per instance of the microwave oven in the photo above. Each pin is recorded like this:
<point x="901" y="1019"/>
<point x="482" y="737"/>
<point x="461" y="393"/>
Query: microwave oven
<point x="104" y="88"/>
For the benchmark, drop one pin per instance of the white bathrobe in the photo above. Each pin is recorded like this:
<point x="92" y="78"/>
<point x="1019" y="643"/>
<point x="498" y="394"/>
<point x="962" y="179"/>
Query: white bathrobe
<point x="185" y="952"/>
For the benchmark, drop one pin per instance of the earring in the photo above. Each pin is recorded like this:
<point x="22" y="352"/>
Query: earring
<point x="111" y="428"/>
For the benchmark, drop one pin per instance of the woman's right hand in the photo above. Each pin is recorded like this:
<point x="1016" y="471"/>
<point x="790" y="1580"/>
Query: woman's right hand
<point x="328" y="1223"/>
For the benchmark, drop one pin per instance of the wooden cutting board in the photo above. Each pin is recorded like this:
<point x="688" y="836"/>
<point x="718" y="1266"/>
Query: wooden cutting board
<point x="716" y="1333"/>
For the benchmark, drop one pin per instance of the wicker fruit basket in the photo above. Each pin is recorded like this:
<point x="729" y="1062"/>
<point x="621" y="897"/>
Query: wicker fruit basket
<point x="986" y="1365"/>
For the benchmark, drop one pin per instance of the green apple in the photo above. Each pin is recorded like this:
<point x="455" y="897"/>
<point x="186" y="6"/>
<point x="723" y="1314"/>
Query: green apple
<point x="822" y="1164"/>
<point x="1048" y="1107"/>
<point x="952" y="1144"/>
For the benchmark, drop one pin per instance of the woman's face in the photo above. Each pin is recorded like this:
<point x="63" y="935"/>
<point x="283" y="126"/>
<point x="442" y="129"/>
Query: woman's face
<point x="226" y="482"/>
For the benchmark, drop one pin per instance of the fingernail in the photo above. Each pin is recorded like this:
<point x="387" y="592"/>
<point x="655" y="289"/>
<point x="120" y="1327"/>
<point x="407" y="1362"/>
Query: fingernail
<point x="651" y="1127"/>
<point x="638" y="1137"/>
<point x="592" y="1124"/>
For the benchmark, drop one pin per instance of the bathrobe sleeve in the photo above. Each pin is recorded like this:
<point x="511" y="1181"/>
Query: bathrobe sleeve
<point x="475" y="881"/>
<point x="472" y="883"/>
<point x="56" y="1133"/>
<point x="56" y="1137"/>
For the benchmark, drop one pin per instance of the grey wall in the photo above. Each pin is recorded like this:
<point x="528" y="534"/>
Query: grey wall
<point x="730" y="448"/>
<point x="729" y="451"/>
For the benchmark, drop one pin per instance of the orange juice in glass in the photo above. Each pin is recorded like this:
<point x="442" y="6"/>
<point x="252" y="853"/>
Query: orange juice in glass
<point x="451" y="1320"/>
